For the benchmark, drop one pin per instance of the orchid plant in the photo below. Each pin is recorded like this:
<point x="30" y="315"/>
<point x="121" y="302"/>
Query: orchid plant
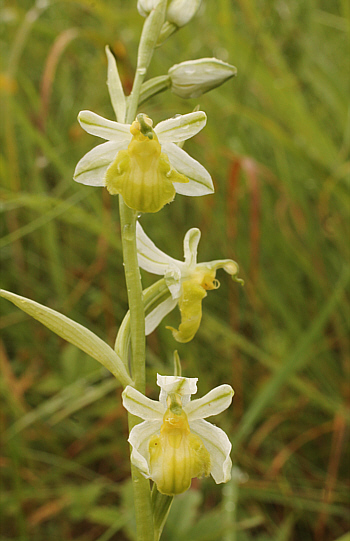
<point x="146" y="166"/>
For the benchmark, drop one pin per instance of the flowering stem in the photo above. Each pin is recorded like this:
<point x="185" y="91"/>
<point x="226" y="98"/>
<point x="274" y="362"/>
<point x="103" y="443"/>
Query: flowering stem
<point x="136" y="89"/>
<point x="142" y="498"/>
<point x="152" y="297"/>
<point x="128" y="217"/>
<point x="141" y="488"/>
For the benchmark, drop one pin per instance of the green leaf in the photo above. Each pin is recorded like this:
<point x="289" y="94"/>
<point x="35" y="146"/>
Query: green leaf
<point x="74" y="333"/>
<point x="161" y="505"/>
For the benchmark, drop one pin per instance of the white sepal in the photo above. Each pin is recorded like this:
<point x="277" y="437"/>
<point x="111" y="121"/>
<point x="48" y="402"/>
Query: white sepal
<point x="104" y="128"/>
<point x="200" y="182"/>
<point x="92" y="167"/>
<point x="213" y="403"/>
<point x="151" y="258"/>
<point x="153" y="319"/>
<point x="138" y="404"/>
<point x="181" y="127"/>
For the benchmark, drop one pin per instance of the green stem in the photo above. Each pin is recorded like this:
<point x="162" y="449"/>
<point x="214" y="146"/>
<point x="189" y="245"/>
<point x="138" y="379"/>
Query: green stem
<point x="152" y="297"/>
<point x="141" y="487"/>
<point x="128" y="217"/>
<point x="230" y="501"/>
<point x="142" y="498"/>
<point x="135" y="93"/>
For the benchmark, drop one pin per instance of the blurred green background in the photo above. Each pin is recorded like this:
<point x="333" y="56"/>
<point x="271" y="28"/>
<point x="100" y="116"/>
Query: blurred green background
<point x="277" y="146"/>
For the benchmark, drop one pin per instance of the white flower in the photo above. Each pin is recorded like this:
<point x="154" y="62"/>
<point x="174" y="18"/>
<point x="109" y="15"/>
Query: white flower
<point x="174" y="443"/>
<point x="187" y="281"/>
<point x="145" y="166"/>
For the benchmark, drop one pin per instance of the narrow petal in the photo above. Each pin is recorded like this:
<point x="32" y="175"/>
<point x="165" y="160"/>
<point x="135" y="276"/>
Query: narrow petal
<point x="173" y="278"/>
<point x="150" y="258"/>
<point x="177" y="384"/>
<point x="200" y="182"/>
<point x="214" y="402"/>
<point x="219" y="446"/>
<point x="191" y="241"/>
<point x="91" y="169"/>
<point x="115" y="87"/>
<point x="141" y="406"/>
<point x="181" y="127"/>
<point x="155" y="317"/>
<point x="185" y="387"/>
<point x="230" y="266"/>
<point x="139" y="440"/>
<point x="107" y="129"/>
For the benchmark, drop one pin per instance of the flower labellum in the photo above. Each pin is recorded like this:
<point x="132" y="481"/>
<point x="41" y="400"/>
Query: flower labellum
<point x="142" y="174"/>
<point x="174" y="444"/>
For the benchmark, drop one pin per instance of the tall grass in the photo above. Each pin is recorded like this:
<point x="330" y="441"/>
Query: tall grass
<point x="277" y="145"/>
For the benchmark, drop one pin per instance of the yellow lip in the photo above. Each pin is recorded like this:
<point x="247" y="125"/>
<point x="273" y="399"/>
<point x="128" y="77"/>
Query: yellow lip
<point x="177" y="455"/>
<point x="142" y="174"/>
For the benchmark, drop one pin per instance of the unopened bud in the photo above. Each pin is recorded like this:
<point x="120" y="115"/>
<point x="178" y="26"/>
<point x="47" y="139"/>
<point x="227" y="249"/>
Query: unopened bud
<point x="180" y="12"/>
<point x="193" y="78"/>
<point x="145" y="6"/>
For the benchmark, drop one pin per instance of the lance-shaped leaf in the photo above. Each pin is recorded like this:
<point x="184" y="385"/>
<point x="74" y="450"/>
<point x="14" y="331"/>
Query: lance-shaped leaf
<point x="115" y="87"/>
<point x="74" y="333"/>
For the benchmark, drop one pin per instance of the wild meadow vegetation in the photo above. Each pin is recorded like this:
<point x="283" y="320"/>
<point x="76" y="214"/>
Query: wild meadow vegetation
<point x="277" y="146"/>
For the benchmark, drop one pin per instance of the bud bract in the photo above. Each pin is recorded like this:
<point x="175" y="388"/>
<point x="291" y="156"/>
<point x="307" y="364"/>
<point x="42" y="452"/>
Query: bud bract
<point x="193" y="78"/>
